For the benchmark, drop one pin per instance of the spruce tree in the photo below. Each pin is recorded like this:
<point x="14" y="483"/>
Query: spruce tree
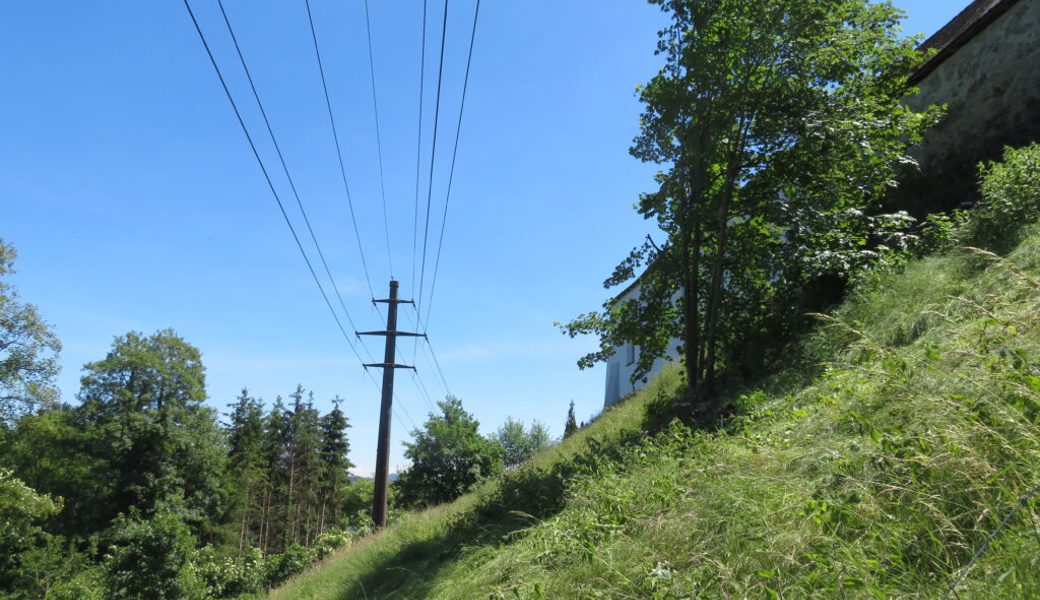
<point x="572" y="424"/>
<point x="247" y="465"/>
<point x="334" y="464"/>
<point x="276" y="433"/>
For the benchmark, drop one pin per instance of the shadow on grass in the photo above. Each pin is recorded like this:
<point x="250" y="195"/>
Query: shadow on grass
<point x="519" y="500"/>
<point x="413" y="571"/>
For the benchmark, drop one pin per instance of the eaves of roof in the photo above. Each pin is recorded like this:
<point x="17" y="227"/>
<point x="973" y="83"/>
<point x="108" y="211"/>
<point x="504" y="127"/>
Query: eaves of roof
<point x="958" y="32"/>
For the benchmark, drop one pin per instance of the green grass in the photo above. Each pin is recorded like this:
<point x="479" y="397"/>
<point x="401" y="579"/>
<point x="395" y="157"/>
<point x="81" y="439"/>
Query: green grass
<point x="875" y="467"/>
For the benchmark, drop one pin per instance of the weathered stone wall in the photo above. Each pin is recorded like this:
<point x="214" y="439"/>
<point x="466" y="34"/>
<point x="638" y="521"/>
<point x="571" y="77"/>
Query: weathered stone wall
<point x="992" y="87"/>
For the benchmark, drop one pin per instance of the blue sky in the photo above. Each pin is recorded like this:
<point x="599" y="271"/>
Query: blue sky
<point x="135" y="203"/>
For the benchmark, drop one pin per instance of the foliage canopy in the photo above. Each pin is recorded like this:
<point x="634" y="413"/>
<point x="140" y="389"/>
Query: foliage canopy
<point x="449" y="456"/>
<point x="779" y="126"/>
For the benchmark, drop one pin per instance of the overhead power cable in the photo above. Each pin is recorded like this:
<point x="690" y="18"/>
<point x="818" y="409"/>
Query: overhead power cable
<point x="433" y="155"/>
<point x="415" y="372"/>
<point x="339" y="151"/>
<point x="437" y="364"/>
<point x="451" y="172"/>
<point x="397" y="417"/>
<point x="267" y="177"/>
<point x="285" y="167"/>
<point x="430" y="354"/>
<point x="379" y="143"/>
<point x="419" y="385"/>
<point x="418" y="145"/>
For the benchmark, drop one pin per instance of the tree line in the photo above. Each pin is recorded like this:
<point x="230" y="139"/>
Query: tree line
<point x="141" y="489"/>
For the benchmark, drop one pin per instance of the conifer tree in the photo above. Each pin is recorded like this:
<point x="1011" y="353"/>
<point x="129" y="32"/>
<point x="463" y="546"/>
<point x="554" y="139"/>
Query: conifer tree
<point x="247" y="466"/>
<point x="572" y="424"/>
<point x="274" y="442"/>
<point x="334" y="464"/>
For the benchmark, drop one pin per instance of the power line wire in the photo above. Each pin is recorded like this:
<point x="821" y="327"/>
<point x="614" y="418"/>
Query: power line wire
<point x="267" y="177"/>
<point x="430" y="354"/>
<point x="418" y="146"/>
<point x="393" y="409"/>
<point x="398" y="402"/>
<point x="285" y="167"/>
<point x="274" y="192"/>
<point x="433" y="155"/>
<point x="379" y="143"/>
<point x="416" y="372"/>
<point x="339" y="152"/>
<point x="451" y="172"/>
<point x="437" y="364"/>
<point x="422" y="389"/>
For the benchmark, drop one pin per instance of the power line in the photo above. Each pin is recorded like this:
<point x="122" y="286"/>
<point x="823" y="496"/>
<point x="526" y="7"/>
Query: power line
<point x="418" y="145"/>
<point x="397" y="417"/>
<point x="267" y="177"/>
<point x="451" y="172"/>
<point x="285" y="167"/>
<point x="415" y="372"/>
<point x="339" y="152"/>
<point x="431" y="356"/>
<point x="397" y="401"/>
<point x="379" y="143"/>
<point x="437" y="364"/>
<point x="419" y="385"/>
<point x="433" y="154"/>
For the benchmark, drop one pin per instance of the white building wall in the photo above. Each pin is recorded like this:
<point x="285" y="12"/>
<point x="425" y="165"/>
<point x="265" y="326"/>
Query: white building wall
<point x="622" y="364"/>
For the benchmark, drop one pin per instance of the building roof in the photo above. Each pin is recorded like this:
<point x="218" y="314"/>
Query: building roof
<point x="958" y="32"/>
<point x="635" y="283"/>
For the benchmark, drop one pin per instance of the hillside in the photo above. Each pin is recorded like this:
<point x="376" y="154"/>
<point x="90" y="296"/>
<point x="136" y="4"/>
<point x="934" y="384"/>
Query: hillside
<point x="878" y="464"/>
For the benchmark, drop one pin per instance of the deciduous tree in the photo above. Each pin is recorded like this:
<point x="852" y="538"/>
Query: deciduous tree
<point x="28" y="350"/>
<point x="449" y="456"/>
<point x="158" y="445"/>
<point x="779" y="126"/>
<point x="520" y="442"/>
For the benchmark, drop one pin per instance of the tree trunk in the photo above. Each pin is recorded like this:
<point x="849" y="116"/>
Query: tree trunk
<point x="711" y="317"/>
<point x="321" y="514"/>
<point x="290" y="532"/>
<point x="265" y="520"/>
<point x="242" y="527"/>
<point x="691" y="293"/>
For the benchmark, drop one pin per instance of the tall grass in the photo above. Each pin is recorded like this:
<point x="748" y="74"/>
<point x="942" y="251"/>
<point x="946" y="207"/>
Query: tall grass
<point x="899" y="457"/>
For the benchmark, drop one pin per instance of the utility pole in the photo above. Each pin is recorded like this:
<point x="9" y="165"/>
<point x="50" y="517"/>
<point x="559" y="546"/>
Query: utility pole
<point x="389" y="366"/>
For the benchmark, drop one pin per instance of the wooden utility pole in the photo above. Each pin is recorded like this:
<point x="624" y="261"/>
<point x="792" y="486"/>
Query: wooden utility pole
<point x="389" y="366"/>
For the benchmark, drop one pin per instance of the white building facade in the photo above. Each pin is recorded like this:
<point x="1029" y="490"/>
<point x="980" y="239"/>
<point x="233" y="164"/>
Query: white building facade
<point x="622" y="364"/>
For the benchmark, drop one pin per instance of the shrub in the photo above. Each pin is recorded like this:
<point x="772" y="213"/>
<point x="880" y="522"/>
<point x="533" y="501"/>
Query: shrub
<point x="292" y="561"/>
<point x="86" y="584"/>
<point x="449" y="457"/>
<point x="1010" y="198"/>
<point x="229" y="576"/>
<point x="149" y="559"/>
<point x="331" y="540"/>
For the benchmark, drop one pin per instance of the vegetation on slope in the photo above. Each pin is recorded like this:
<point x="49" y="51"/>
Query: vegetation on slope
<point x="898" y="452"/>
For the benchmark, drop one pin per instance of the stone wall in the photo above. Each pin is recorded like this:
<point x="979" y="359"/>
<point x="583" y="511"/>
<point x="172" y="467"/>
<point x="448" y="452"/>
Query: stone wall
<point x="992" y="86"/>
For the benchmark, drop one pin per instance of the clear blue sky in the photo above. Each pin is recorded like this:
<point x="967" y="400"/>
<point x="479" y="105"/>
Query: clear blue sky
<point x="135" y="204"/>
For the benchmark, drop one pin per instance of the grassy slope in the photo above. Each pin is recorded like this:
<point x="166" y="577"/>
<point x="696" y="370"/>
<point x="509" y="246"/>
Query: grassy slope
<point x="878" y="474"/>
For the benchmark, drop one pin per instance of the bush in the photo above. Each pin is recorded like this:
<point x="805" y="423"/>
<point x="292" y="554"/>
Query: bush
<point x="1010" y="199"/>
<point x="449" y="457"/>
<point x="292" y="561"/>
<point x="87" y="584"/>
<point x="149" y="560"/>
<point x="331" y="540"/>
<point x="229" y="576"/>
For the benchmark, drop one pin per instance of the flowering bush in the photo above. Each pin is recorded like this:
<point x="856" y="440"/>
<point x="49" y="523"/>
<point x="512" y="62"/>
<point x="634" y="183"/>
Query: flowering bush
<point x="229" y="576"/>
<point x="280" y="567"/>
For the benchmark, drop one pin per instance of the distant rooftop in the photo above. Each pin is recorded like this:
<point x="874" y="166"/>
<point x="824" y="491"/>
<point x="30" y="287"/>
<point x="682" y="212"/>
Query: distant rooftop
<point x="958" y="32"/>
